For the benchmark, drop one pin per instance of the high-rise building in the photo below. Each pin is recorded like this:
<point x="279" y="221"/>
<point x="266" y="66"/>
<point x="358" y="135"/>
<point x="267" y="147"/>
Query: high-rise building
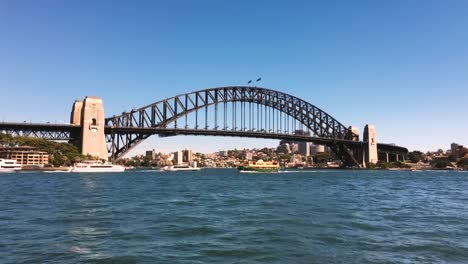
<point x="304" y="149"/>
<point x="248" y="155"/>
<point x="295" y="147"/>
<point x="187" y="155"/>
<point x="454" y="148"/>
<point x="151" y="154"/>
<point x="178" y="157"/>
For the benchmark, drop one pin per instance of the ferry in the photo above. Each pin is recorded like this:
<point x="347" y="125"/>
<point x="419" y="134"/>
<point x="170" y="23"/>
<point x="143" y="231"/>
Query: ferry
<point x="96" y="166"/>
<point x="184" y="167"/>
<point x="259" y="166"/>
<point x="9" y="165"/>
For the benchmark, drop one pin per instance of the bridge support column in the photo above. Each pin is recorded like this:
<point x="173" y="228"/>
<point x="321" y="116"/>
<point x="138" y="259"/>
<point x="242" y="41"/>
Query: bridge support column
<point x="397" y="157"/>
<point x="370" y="138"/>
<point x="90" y="115"/>
<point x="387" y="157"/>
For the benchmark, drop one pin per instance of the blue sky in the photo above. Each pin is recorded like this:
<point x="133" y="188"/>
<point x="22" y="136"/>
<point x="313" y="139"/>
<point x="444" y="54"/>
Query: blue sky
<point x="400" y="65"/>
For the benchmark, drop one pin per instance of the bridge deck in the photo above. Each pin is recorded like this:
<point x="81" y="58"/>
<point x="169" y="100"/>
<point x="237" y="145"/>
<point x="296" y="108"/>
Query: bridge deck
<point x="63" y="132"/>
<point x="220" y="132"/>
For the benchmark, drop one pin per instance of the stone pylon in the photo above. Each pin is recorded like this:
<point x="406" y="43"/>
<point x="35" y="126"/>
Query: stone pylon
<point x="370" y="138"/>
<point x="89" y="114"/>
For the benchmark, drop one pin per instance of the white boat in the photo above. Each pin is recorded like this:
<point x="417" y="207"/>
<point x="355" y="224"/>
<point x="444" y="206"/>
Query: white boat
<point x="96" y="166"/>
<point x="9" y="165"/>
<point x="183" y="167"/>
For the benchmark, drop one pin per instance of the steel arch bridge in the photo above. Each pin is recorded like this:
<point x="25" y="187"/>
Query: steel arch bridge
<point x="239" y="111"/>
<point x="231" y="111"/>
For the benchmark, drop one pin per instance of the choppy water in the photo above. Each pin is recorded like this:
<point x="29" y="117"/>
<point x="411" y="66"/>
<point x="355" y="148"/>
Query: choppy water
<point x="221" y="216"/>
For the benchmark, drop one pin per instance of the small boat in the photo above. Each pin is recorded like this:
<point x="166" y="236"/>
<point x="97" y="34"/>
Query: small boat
<point x="259" y="166"/>
<point x="9" y="165"/>
<point x="96" y="166"/>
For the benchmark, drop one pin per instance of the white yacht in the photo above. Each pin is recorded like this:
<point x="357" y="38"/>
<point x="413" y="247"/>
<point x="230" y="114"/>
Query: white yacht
<point x="184" y="167"/>
<point x="96" y="166"/>
<point x="9" y="165"/>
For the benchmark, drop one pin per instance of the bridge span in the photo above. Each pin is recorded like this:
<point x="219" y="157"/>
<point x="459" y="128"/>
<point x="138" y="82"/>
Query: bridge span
<point x="236" y="111"/>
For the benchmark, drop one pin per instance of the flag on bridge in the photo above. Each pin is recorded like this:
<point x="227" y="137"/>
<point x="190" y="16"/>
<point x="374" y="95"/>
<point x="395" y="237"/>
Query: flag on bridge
<point x="259" y="79"/>
<point x="249" y="82"/>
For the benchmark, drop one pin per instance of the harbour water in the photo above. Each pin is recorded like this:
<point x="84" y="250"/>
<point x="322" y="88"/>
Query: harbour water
<point x="222" y="216"/>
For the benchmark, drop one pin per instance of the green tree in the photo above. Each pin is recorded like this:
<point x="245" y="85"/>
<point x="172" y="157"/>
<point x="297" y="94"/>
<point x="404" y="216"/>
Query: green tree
<point x="441" y="164"/>
<point x="322" y="157"/>
<point x="415" y="156"/>
<point x="463" y="163"/>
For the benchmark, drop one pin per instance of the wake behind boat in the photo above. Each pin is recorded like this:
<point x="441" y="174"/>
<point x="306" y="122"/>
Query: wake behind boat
<point x="96" y="166"/>
<point x="9" y="165"/>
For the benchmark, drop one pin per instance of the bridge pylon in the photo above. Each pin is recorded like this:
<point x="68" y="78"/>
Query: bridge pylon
<point x="370" y="140"/>
<point x="89" y="114"/>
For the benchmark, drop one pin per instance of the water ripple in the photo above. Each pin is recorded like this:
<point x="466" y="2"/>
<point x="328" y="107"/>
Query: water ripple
<point x="221" y="216"/>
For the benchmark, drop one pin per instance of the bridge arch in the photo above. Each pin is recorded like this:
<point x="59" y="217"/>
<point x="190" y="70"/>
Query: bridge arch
<point x="168" y="111"/>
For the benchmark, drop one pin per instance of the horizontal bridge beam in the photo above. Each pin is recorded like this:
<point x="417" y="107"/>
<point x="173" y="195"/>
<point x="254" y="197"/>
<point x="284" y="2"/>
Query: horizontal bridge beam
<point x="65" y="131"/>
<point x="39" y="126"/>
<point x="220" y="132"/>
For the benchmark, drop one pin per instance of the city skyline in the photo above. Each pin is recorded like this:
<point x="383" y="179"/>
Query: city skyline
<point x="400" y="66"/>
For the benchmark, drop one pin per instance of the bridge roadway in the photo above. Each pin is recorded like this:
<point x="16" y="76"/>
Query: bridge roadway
<point x="65" y="132"/>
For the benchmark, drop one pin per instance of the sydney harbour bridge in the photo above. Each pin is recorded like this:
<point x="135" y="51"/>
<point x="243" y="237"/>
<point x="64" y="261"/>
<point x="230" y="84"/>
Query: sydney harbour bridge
<point x="235" y="111"/>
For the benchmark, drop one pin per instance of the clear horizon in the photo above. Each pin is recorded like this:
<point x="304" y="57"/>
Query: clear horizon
<point x="398" y="65"/>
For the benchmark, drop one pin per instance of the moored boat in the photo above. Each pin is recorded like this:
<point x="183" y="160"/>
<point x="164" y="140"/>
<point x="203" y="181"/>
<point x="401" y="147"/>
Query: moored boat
<point x="96" y="166"/>
<point x="9" y="165"/>
<point x="259" y="166"/>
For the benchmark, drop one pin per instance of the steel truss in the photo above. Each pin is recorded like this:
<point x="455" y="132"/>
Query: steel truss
<point x="45" y="131"/>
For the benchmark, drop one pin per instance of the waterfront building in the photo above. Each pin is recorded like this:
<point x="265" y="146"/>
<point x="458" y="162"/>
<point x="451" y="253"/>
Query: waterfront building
<point x="187" y="155"/>
<point x="178" y="157"/>
<point x="316" y="149"/>
<point x="248" y="155"/>
<point x="151" y="154"/>
<point x="304" y="149"/>
<point x="25" y="155"/>
<point x="223" y="153"/>
<point x="182" y="156"/>
<point x="294" y="148"/>
<point x="458" y="151"/>
<point x="454" y="149"/>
